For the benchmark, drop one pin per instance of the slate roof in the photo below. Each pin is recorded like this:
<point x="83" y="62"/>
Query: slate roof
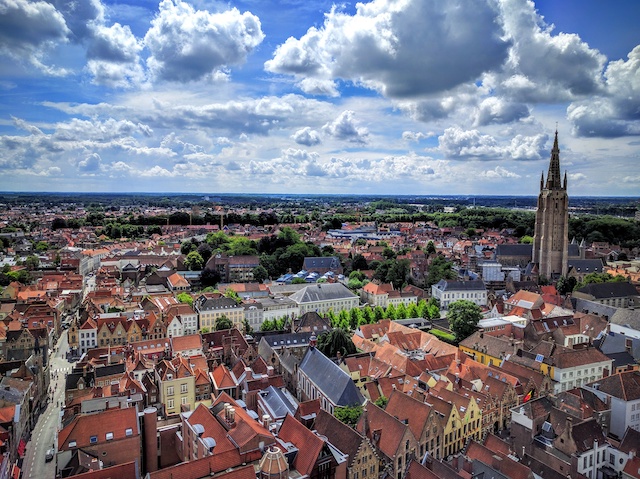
<point x="109" y="370"/>
<point x="586" y="265"/>
<point x="514" y="250"/>
<point x="323" y="262"/>
<point x="626" y="317"/>
<point x="446" y="285"/>
<point x="278" y="403"/>
<point x="322" y="292"/>
<point x="580" y="304"/>
<point x="609" y="290"/>
<point x="334" y="383"/>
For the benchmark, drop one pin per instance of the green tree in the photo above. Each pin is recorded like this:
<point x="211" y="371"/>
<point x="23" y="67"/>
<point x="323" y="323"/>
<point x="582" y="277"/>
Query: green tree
<point x="194" y="261"/>
<point x="185" y="298"/>
<point x="334" y="341"/>
<point x="600" y="278"/>
<point x="222" y="322"/>
<point x="298" y="280"/>
<point x="32" y="262"/>
<point x="209" y="278"/>
<point x="42" y="246"/>
<point x="431" y="248"/>
<point x="526" y="239"/>
<point x="359" y="263"/>
<point x="205" y="330"/>
<point x="349" y="415"/>
<point x="378" y="313"/>
<point x="440" y="268"/>
<point x="412" y="310"/>
<point x="354" y="284"/>
<point x="463" y="317"/>
<point x="390" y="312"/>
<point x="268" y="325"/>
<point x="260" y="274"/>
<point x="381" y="402"/>
<point x="247" y="327"/>
<point x="401" y="311"/>
<point x="566" y="284"/>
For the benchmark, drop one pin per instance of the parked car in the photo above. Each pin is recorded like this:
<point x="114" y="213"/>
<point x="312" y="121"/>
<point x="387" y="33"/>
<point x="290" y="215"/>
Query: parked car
<point x="49" y="455"/>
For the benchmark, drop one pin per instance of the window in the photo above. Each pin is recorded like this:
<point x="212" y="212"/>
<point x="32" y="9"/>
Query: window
<point x="184" y="400"/>
<point x="170" y="391"/>
<point x="72" y="444"/>
<point x="93" y="439"/>
<point x="183" y="388"/>
<point x="109" y="436"/>
<point x="170" y="404"/>
<point x="128" y="432"/>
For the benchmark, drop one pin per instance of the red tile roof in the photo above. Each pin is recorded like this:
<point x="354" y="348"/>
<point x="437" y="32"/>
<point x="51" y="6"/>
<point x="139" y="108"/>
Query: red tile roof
<point x="115" y="421"/>
<point x="308" y="444"/>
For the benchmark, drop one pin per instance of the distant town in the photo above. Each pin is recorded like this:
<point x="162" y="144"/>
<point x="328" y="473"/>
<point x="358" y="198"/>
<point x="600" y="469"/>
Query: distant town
<point x="193" y="336"/>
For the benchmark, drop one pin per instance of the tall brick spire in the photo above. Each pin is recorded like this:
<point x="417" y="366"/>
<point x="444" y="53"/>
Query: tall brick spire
<point x="553" y="177"/>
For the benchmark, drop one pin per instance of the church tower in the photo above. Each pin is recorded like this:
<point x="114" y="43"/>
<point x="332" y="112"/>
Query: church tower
<point x="551" y="240"/>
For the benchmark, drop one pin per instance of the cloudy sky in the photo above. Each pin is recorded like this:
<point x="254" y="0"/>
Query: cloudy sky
<point x="309" y="96"/>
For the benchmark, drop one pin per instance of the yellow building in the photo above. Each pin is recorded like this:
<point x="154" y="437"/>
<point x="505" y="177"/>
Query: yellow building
<point x="176" y="385"/>
<point x="209" y="310"/>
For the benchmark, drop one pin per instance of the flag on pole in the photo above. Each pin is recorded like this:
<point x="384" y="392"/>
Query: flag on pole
<point x="528" y="396"/>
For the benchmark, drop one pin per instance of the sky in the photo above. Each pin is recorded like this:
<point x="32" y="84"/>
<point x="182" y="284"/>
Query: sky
<point x="394" y="97"/>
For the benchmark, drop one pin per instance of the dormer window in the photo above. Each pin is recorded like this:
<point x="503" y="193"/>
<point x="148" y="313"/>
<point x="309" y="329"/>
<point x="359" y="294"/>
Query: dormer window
<point x="109" y="436"/>
<point x="72" y="444"/>
<point x="93" y="439"/>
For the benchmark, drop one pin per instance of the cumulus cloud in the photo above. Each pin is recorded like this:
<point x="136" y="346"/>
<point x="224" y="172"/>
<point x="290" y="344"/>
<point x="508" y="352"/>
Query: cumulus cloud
<point x="618" y="112"/>
<point x="114" y="57"/>
<point x="89" y="164"/>
<point x="306" y="136"/>
<point x="188" y="44"/>
<point x="403" y="49"/>
<point x="346" y="128"/>
<point x="458" y="144"/>
<point x="416" y="136"/>
<point x="499" y="110"/>
<point x="27" y="28"/>
<point x="543" y="67"/>
<point x="499" y="172"/>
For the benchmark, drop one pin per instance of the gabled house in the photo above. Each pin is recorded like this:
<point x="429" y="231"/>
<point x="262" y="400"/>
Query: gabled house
<point x="113" y="436"/>
<point x="363" y="460"/>
<point x="392" y="438"/>
<point x="314" y="457"/>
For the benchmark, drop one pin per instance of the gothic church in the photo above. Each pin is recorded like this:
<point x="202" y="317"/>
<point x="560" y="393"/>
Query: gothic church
<point x="551" y="236"/>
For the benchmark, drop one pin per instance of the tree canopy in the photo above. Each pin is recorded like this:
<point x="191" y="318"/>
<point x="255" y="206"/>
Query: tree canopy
<point x="463" y="317"/>
<point x="334" y="341"/>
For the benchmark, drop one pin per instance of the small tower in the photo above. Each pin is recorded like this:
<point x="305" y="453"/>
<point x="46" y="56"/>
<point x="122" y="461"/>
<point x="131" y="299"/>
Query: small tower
<point x="551" y="236"/>
<point x="273" y="465"/>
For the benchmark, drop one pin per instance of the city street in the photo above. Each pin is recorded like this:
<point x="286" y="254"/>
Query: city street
<point x="45" y="433"/>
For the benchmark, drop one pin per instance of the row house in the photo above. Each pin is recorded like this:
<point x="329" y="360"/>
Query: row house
<point x="425" y="422"/>
<point x="88" y="336"/>
<point x="568" y="368"/>
<point x="210" y="309"/>
<point x="395" y="444"/>
<point x="181" y="320"/>
<point x="176" y="385"/>
<point x="118" y="330"/>
<point x="363" y="461"/>
<point x="376" y="294"/>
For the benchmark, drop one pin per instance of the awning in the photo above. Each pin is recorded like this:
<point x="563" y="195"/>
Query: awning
<point x="22" y="445"/>
<point x="15" y="474"/>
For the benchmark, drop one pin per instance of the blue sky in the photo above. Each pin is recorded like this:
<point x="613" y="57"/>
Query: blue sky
<point x="298" y="96"/>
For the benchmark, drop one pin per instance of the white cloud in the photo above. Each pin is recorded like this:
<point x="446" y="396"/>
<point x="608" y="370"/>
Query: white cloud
<point x="458" y="144"/>
<point x="28" y="28"/>
<point x="416" y="136"/>
<point x="346" y="128"/>
<point x="402" y="48"/>
<point x="499" y="110"/>
<point x="499" y="172"/>
<point x="618" y="112"/>
<point x="89" y="164"/>
<point x="114" y="57"/>
<point x="306" y="136"/>
<point x="188" y="44"/>
<point x="543" y="67"/>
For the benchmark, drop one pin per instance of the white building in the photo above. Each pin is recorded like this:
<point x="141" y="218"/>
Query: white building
<point x="88" y="336"/>
<point x="323" y="297"/>
<point x="447" y="292"/>
<point x="622" y="392"/>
